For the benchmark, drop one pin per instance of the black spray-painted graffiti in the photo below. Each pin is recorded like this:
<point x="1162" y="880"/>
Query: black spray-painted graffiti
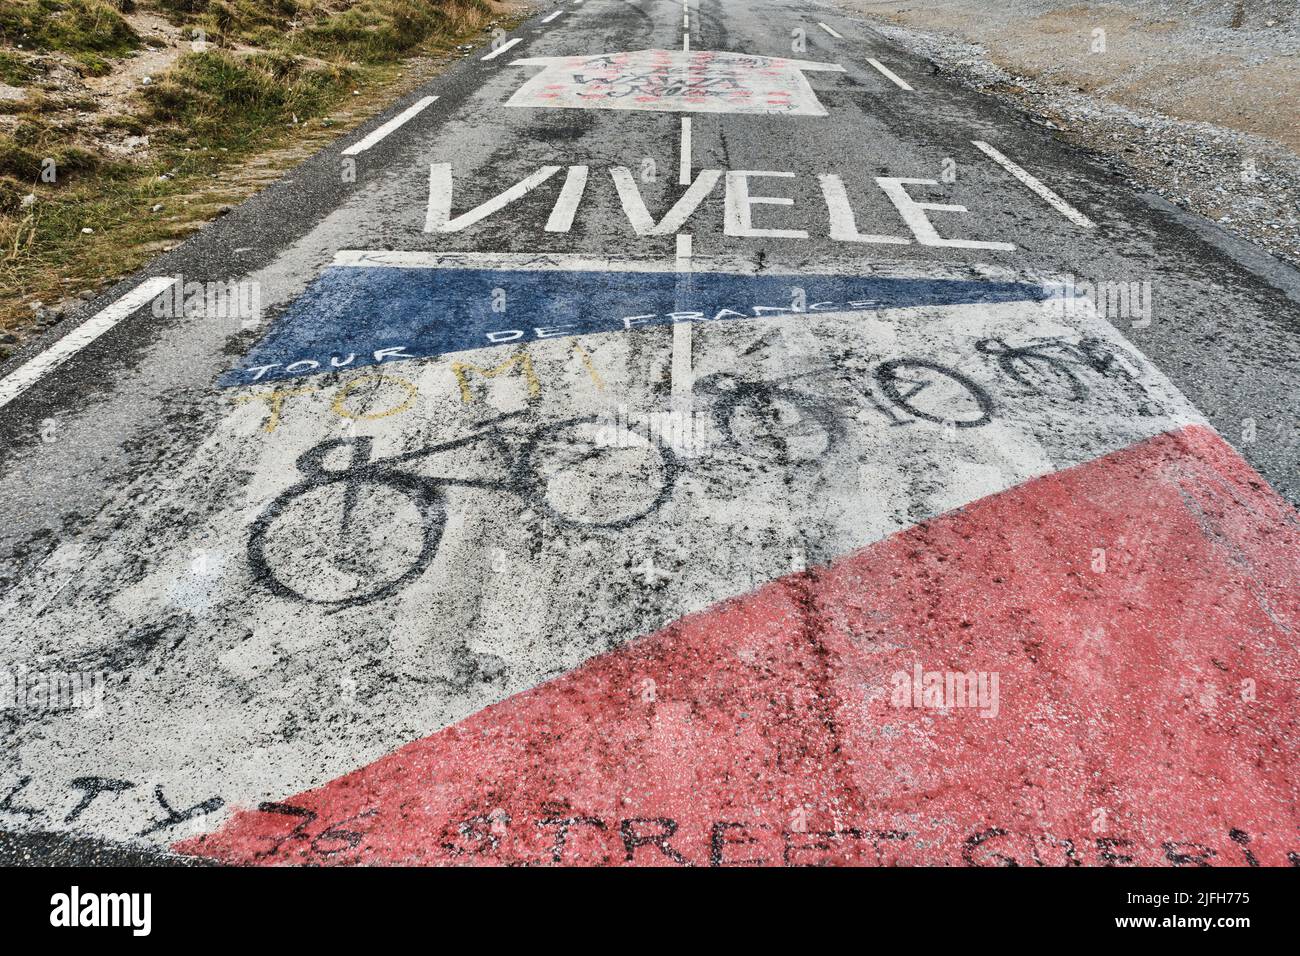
<point x="559" y="835"/>
<point x="1044" y="365"/>
<point x="541" y="466"/>
<point x="92" y="787"/>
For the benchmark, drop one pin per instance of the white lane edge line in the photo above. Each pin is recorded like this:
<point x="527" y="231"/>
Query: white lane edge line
<point x="890" y="74"/>
<point x="501" y="49"/>
<point x="31" y="371"/>
<point x="552" y="16"/>
<point x="1051" y="198"/>
<point x="363" y="144"/>
<point x="830" y="31"/>
<point x="684" y="175"/>
<point x="683" y="375"/>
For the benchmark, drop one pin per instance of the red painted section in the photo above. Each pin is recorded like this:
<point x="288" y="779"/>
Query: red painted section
<point x="1129" y="729"/>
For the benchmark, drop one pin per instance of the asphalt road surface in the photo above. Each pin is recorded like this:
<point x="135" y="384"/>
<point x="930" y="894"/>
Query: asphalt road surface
<point x="680" y="434"/>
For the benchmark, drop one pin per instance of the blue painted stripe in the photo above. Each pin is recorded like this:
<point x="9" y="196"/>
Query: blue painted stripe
<point x="356" y="316"/>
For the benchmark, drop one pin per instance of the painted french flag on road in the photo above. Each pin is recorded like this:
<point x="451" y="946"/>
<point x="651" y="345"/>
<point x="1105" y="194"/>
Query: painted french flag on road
<point x="1095" y="667"/>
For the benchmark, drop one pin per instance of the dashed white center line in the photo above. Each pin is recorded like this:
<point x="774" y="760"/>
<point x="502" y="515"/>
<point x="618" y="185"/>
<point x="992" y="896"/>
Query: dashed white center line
<point x="683" y="375"/>
<point x="1052" y="199"/>
<point x="830" y="31"/>
<point x="30" y="372"/>
<point x="366" y="142"/>
<point x="549" y="18"/>
<point x="684" y="174"/>
<point x="686" y="42"/>
<point x="501" y="49"/>
<point x="889" y="74"/>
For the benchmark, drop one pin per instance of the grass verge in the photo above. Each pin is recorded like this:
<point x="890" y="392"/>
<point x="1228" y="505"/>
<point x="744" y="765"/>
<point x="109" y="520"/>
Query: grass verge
<point x="254" y="82"/>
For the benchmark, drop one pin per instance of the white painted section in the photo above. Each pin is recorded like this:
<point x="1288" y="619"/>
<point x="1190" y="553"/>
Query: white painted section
<point x="439" y="218"/>
<point x="737" y="264"/>
<point x="503" y="592"/>
<point x="552" y="16"/>
<point x="913" y="213"/>
<point x="831" y="31"/>
<point x="501" y="49"/>
<point x="566" y="205"/>
<point x="739" y="206"/>
<point x="844" y="228"/>
<point x="889" y="74"/>
<point x="629" y="194"/>
<point x="31" y="371"/>
<point x="684" y="173"/>
<point x="676" y="81"/>
<point x="1052" y="199"/>
<point x="371" y="139"/>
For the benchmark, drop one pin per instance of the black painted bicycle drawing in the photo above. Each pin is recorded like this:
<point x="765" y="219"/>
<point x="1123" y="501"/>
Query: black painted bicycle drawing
<point x="778" y="420"/>
<point x="308" y="542"/>
<point x="1049" y="364"/>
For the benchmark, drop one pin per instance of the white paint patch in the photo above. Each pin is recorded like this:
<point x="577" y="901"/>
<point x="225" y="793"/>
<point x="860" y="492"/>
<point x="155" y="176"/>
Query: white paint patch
<point x="501" y="49"/>
<point x="673" y="81"/>
<point x="550" y="17"/>
<point x="372" y="138"/>
<point x="831" y="31"/>
<point x="31" y="371"/>
<point x="242" y="695"/>
<point x="889" y="74"/>
<point x="1052" y="199"/>
<point x="569" y="262"/>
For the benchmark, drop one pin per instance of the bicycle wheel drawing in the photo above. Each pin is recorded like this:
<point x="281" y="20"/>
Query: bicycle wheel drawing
<point x="347" y="535"/>
<point x="1044" y="367"/>
<point x="934" y="392"/>
<point x="770" y="422"/>
<point x="583" y="477"/>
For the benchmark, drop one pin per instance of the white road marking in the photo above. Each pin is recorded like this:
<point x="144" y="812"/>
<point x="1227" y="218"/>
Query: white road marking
<point x="844" y="227"/>
<point x="366" y="142"/>
<point x="830" y="31"/>
<point x="548" y="19"/>
<point x="501" y="49"/>
<point x="566" y="206"/>
<point x="739" y="206"/>
<point x="683" y="377"/>
<point x="686" y="42"/>
<point x="913" y="213"/>
<point x="889" y="74"/>
<point x="438" y="217"/>
<point x="31" y="371"/>
<point x="684" y="176"/>
<point x="634" y="207"/>
<point x="1053" y="200"/>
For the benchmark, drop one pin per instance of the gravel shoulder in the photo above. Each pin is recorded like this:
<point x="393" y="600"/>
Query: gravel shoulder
<point x="1196" y="101"/>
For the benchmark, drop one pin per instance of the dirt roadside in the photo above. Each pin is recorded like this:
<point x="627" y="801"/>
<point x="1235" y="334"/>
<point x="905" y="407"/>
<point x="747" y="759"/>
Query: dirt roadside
<point x="1196" y="100"/>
